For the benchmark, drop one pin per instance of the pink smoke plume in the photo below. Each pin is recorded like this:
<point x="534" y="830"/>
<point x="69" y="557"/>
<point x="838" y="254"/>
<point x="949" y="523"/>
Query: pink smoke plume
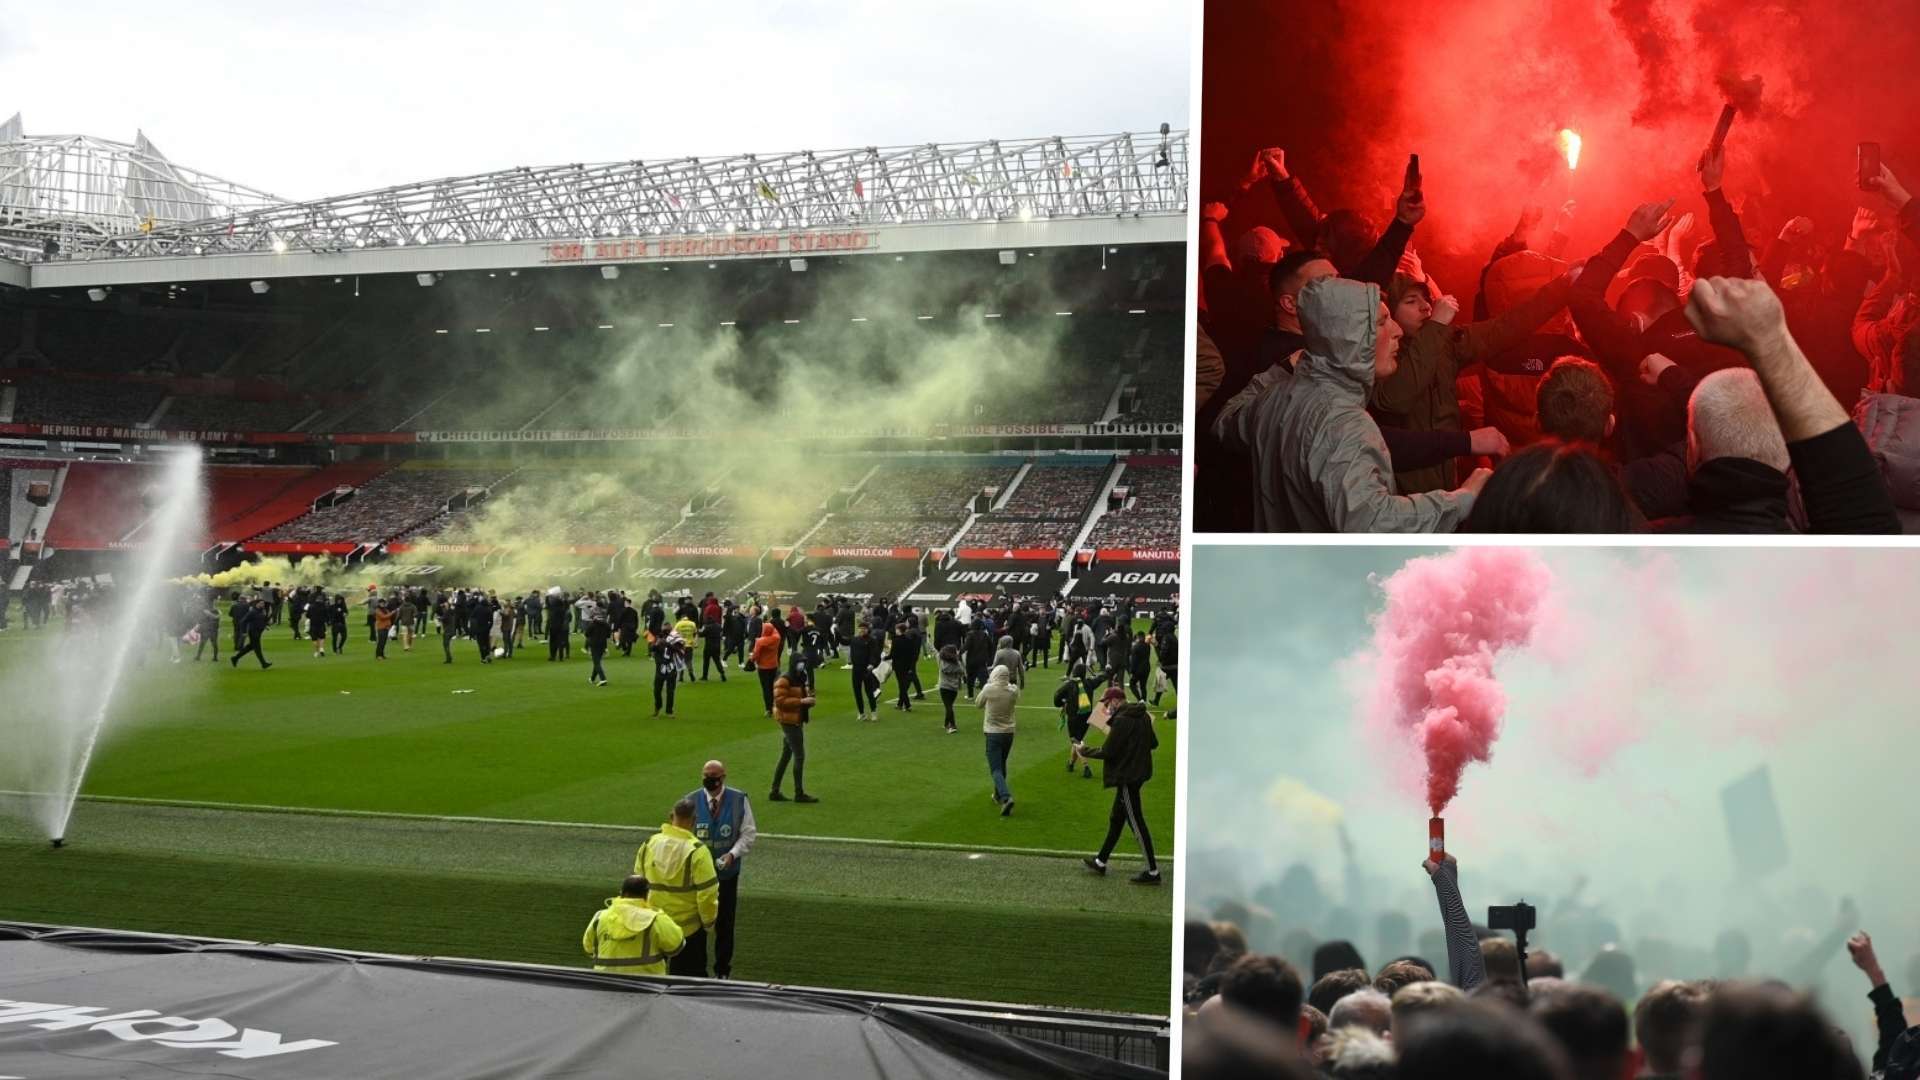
<point x="1447" y="618"/>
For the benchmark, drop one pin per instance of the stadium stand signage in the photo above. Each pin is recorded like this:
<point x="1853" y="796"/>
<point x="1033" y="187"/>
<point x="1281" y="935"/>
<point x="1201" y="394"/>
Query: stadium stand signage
<point x="1137" y="555"/>
<point x="1048" y="554"/>
<point x="668" y="551"/>
<point x="936" y="431"/>
<point x="736" y="245"/>
<point x="111" y="433"/>
<point x="863" y="553"/>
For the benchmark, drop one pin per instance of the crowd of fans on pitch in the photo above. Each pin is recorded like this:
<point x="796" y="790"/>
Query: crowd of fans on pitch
<point x="1686" y="377"/>
<point x="1276" y="993"/>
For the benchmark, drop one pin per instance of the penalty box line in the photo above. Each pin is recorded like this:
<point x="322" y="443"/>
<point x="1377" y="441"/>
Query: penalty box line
<point x="467" y="819"/>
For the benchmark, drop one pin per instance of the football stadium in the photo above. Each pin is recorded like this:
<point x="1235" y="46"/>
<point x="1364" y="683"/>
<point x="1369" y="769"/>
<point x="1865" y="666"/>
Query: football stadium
<point x="510" y="442"/>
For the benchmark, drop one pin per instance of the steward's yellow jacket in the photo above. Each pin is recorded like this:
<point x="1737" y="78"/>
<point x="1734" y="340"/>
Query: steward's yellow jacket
<point x="631" y="937"/>
<point x="679" y="871"/>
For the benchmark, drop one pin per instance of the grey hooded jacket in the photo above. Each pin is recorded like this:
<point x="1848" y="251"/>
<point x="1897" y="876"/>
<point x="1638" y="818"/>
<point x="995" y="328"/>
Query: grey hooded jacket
<point x="1320" y="445"/>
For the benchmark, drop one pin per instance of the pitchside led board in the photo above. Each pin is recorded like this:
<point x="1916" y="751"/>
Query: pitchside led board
<point x="1754" y="830"/>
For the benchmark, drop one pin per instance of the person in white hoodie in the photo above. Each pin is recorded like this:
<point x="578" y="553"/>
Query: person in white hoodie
<point x="998" y="700"/>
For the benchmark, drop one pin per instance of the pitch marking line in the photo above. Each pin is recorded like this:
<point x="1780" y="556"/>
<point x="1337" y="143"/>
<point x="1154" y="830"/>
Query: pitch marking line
<point x="921" y="845"/>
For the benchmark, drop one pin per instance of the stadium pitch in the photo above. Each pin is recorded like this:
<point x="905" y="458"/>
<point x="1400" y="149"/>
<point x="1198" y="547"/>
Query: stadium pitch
<point x="414" y="807"/>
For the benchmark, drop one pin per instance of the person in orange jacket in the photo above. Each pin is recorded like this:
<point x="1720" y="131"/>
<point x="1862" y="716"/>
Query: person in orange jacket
<point x="766" y="659"/>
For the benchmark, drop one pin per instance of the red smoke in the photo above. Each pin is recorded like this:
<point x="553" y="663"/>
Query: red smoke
<point x="1447" y="618"/>
<point x="1480" y="89"/>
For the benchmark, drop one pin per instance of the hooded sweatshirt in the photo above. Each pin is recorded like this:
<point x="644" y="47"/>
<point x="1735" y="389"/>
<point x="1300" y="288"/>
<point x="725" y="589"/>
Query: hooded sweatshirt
<point x="998" y="699"/>
<point x="766" y="648"/>
<point x="1335" y="473"/>
<point x="1009" y="657"/>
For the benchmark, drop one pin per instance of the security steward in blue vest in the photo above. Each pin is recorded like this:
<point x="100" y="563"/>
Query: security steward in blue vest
<point x="723" y="820"/>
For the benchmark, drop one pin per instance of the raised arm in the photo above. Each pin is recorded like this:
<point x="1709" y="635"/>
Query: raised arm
<point x="1905" y="206"/>
<point x="1730" y="241"/>
<point x="1465" y="967"/>
<point x="1888" y="1015"/>
<point x="1839" y="479"/>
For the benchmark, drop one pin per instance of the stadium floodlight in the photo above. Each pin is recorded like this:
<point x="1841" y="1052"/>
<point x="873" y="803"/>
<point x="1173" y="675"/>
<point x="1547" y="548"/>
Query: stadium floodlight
<point x="279" y="245"/>
<point x="1008" y="258"/>
<point x="1063" y="313"/>
<point x="199" y="250"/>
<point x="1137" y="311"/>
<point x="1026" y="212"/>
<point x="797" y="265"/>
<point x="96" y="295"/>
<point x="923" y="318"/>
<point x="439" y="331"/>
<point x="991" y="315"/>
<point x="259" y="287"/>
<point x="726" y="322"/>
<point x="360" y="242"/>
<point x="859" y="318"/>
<point x="666" y="326"/>
<point x="539" y="329"/>
<point x="483" y="329"/>
<point x="609" y="272"/>
<point x="604" y="326"/>
<point x="426" y="280"/>
<point x="791" y="322"/>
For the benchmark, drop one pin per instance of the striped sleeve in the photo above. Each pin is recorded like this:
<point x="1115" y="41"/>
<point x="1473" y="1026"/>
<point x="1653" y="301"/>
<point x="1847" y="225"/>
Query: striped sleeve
<point x="1464" y="964"/>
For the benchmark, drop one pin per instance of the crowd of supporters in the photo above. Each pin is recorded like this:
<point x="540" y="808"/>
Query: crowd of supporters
<point x="1282" y="989"/>
<point x="1019" y="534"/>
<point x="1342" y="388"/>
<point x="85" y="401"/>
<point x="1055" y="491"/>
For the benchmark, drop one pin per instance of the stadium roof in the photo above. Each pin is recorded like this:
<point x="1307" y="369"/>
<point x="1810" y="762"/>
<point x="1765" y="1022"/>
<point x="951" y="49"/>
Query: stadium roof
<point x="74" y="191"/>
<point x="122" y="214"/>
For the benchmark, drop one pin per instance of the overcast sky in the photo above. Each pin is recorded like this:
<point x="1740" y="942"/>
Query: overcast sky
<point x="313" y="100"/>
<point x="1704" y="664"/>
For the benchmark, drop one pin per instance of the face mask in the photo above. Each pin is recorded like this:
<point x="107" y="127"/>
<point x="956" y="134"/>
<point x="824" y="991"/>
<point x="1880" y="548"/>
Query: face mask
<point x="713" y="783"/>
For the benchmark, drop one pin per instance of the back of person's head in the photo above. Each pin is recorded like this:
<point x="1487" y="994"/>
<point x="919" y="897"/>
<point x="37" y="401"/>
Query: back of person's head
<point x="1334" y="985"/>
<point x="1478" y="1039"/>
<point x="1401" y="973"/>
<point x="1232" y="939"/>
<point x="1223" y="1044"/>
<point x="1354" y="1053"/>
<point x="1666" y="1021"/>
<point x="1502" y="959"/>
<point x="1336" y="956"/>
<point x="1417" y="999"/>
<point x="1508" y="991"/>
<point x="1576" y="401"/>
<point x="1312" y="1023"/>
<point x="1266" y="986"/>
<point x="1756" y="1031"/>
<point x="1202" y="944"/>
<point x="1612" y="968"/>
<point x="1729" y="417"/>
<point x="1257" y="249"/>
<point x="1905" y="376"/>
<point x="1590" y="1025"/>
<point x="1347" y="236"/>
<point x="1551" y="487"/>
<point x="1365" y="1007"/>
<point x="1542" y="964"/>
<point x="634" y="885"/>
<point x="683" y="810"/>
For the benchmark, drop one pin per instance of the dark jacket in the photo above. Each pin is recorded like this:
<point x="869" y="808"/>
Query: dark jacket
<point x="1733" y="495"/>
<point x="597" y="633"/>
<point x="1126" y="758"/>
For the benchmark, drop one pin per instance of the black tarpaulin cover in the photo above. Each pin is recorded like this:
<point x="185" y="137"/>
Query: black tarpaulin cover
<point x="84" y="1003"/>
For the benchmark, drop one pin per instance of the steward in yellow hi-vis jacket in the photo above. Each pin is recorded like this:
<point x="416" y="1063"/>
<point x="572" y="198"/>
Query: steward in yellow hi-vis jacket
<point x="680" y="875"/>
<point x="630" y="936"/>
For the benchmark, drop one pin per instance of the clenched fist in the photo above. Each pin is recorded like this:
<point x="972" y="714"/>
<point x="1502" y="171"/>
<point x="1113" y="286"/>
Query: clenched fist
<point x="1488" y="442"/>
<point x="1741" y="313"/>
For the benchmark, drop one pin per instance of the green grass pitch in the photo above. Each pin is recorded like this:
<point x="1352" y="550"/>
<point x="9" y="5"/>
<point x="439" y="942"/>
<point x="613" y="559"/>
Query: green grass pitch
<point x="945" y="898"/>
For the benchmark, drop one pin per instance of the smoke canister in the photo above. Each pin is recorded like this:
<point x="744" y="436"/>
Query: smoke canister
<point x="1436" y="839"/>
